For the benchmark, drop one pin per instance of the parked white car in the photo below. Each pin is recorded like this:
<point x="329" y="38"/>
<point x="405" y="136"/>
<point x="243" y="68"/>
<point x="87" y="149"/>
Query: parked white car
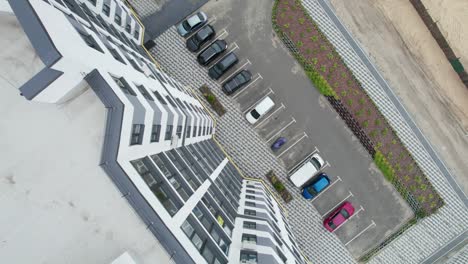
<point x="304" y="172"/>
<point x="260" y="110"/>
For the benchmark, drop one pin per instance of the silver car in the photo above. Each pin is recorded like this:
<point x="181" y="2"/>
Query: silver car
<point x="192" y="23"/>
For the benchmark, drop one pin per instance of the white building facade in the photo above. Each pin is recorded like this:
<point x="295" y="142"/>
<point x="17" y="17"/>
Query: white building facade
<point x="158" y="148"/>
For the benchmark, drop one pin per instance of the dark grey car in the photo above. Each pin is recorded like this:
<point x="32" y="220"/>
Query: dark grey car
<point x="223" y="66"/>
<point x="212" y="52"/>
<point x="236" y="82"/>
<point x="195" y="42"/>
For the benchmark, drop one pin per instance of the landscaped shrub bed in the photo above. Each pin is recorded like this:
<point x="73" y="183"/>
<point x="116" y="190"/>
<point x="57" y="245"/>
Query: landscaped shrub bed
<point x="326" y="70"/>
<point x="212" y="100"/>
<point x="279" y="187"/>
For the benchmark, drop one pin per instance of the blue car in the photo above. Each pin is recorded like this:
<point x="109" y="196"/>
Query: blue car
<point x="316" y="186"/>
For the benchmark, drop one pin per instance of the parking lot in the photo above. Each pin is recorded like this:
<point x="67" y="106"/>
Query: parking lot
<point x="310" y="125"/>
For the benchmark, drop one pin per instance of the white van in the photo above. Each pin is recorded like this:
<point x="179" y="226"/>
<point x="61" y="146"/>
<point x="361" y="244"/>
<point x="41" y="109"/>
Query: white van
<point x="261" y="109"/>
<point x="304" y="172"/>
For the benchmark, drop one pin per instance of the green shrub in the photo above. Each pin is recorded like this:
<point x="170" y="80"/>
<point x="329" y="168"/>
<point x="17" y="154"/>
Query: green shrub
<point x="320" y="83"/>
<point x="299" y="44"/>
<point x="301" y="20"/>
<point x="365" y="123"/>
<point x="314" y="38"/>
<point x="343" y="93"/>
<point x="210" y="98"/>
<point x="384" y="166"/>
<point x="286" y="25"/>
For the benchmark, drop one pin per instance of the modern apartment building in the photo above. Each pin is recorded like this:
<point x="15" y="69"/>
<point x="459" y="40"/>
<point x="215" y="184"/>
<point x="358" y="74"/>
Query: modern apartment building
<point x="158" y="146"/>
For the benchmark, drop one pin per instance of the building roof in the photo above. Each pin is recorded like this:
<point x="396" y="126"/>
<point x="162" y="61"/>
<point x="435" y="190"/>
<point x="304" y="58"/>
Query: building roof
<point x="61" y="206"/>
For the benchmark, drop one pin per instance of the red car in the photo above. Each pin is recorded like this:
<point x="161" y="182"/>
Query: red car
<point x="339" y="216"/>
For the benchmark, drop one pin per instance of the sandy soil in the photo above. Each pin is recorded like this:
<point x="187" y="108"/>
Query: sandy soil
<point x="452" y="19"/>
<point x="397" y="40"/>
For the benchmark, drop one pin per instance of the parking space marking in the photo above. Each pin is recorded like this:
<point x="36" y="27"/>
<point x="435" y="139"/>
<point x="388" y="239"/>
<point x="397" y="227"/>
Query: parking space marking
<point x="329" y="186"/>
<point x="223" y="32"/>
<point x="227" y="52"/>
<point x="316" y="150"/>
<point x="304" y="136"/>
<point x="360" y="233"/>
<point x="355" y="214"/>
<point x="266" y="118"/>
<point x="350" y="195"/>
<point x="263" y="97"/>
<point x="282" y="129"/>
<point x="259" y="77"/>
<point x="236" y="71"/>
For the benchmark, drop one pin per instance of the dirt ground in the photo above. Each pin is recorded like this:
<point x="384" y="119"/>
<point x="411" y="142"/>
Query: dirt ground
<point x="396" y="39"/>
<point x="452" y="19"/>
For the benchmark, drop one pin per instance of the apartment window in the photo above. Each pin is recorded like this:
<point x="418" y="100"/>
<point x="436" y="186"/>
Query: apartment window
<point x="208" y="255"/>
<point x="250" y="204"/>
<point x="117" y="19"/>
<point x="248" y="257"/>
<point x="155" y="133"/>
<point x="199" y="131"/>
<point x="250" y="212"/>
<point x="159" y="97"/>
<point x="144" y="92"/>
<point x="128" y="28"/>
<point x="90" y="41"/>
<point x="250" y="225"/>
<point x="134" y="64"/>
<point x="179" y="131"/>
<point x="168" y="134"/>
<point x="249" y="238"/>
<point x="136" y="34"/>
<point x="106" y="9"/>
<point x="137" y="134"/>
<point x="250" y="197"/>
<point x="92" y="2"/>
<point x="194" y="131"/>
<point x="124" y="86"/>
<point x="250" y="191"/>
<point x="116" y="54"/>
<point x="170" y="101"/>
<point x="187" y="133"/>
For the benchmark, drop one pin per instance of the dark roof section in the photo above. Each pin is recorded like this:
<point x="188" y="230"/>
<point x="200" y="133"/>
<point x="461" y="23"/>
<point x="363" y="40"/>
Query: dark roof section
<point x="120" y="178"/>
<point x="42" y="43"/>
<point x="35" y="31"/>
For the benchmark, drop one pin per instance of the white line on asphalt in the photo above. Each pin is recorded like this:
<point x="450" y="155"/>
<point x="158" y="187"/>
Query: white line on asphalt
<point x="266" y="118"/>
<point x="329" y="186"/>
<point x="305" y="135"/>
<point x="223" y="32"/>
<point x="355" y="214"/>
<point x="350" y="195"/>
<point x="271" y="90"/>
<point x="227" y="52"/>
<point x="236" y="71"/>
<point x="360" y="233"/>
<point x="282" y="129"/>
<point x="250" y="107"/>
<point x="327" y="164"/>
<point x="259" y="77"/>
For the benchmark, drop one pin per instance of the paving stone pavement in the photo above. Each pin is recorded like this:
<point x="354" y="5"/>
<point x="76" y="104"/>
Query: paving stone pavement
<point x="145" y="8"/>
<point x="435" y="231"/>
<point x="250" y="152"/>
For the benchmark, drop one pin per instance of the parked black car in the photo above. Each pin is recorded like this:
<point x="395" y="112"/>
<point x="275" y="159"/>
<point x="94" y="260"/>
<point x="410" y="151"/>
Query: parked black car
<point x="195" y="42"/>
<point x="236" y="82"/>
<point x="212" y="52"/>
<point x="222" y="66"/>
